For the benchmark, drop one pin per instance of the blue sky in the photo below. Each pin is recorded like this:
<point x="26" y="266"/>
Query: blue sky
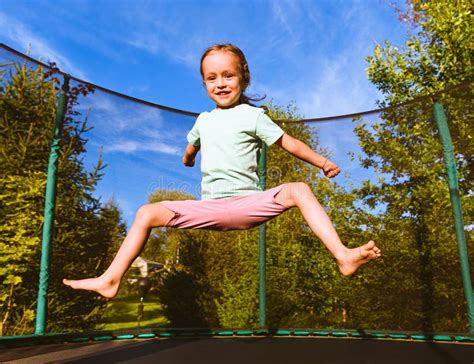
<point x="311" y="53"/>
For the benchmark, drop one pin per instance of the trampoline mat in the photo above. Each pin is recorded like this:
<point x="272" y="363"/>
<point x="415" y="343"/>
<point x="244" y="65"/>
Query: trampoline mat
<point x="239" y="350"/>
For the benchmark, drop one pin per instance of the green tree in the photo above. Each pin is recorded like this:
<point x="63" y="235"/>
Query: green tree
<point x="84" y="230"/>
<point x="402" y="146"/>
<point x="437" y="55"/>
<point x="24" y="104"/>
<point x="195" y="264"/>
<point x="305" y="288"/>
<point x="20" y="203"/>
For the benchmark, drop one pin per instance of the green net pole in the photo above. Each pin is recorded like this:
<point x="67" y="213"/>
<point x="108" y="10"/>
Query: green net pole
<point x="448" y="151"/>
<point x="262" y="242"/>
<point x="49" y="206"/>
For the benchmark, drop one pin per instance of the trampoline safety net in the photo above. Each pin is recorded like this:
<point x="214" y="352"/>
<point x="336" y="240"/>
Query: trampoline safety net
<point x="118" y="153"/>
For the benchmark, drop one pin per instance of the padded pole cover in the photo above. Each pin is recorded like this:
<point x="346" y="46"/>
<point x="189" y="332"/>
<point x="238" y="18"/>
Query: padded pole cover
<point x="262" y="241"/>
<point x="49" y="207"/>
<point x="447" y="143"/>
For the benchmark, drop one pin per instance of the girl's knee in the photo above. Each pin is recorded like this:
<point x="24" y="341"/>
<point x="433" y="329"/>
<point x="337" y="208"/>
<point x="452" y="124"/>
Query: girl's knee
<point x="143" y="214"/>
<point x="299" y="190"/>
<point x="292" y="192"/>
<point x="153" y="215"/>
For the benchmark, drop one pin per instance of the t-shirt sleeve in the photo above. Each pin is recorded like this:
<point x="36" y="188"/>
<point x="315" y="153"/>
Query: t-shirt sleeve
<point x="193" y="136"/>
<point x="267" y="130"/>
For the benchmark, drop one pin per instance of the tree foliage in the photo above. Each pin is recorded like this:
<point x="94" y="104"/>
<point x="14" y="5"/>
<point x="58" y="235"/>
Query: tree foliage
<point x="437" y="55"/>
<point x="83" y="229"/>
<point x="403" y="146"/>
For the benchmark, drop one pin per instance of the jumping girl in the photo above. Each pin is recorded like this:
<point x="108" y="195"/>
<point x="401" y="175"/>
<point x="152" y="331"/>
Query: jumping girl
<point x="229" y="138"/>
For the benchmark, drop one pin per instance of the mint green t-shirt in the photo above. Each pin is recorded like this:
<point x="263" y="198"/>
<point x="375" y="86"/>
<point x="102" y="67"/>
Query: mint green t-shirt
<point x="230" y="141"/>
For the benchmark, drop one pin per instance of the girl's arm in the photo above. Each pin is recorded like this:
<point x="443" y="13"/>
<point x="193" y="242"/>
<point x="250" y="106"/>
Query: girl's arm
<point x="190" y="155"/>
<point x="305" y="153"/>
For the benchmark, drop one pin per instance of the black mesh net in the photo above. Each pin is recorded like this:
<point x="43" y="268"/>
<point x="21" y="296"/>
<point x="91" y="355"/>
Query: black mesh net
<point x="118" y="154"/>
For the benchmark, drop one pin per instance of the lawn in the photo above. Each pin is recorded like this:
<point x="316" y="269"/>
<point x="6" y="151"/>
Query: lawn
<point x="121" y="313"/>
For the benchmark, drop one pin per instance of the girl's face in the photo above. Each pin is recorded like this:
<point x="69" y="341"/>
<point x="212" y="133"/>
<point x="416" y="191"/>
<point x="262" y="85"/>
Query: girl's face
<point x="222" y="78"/>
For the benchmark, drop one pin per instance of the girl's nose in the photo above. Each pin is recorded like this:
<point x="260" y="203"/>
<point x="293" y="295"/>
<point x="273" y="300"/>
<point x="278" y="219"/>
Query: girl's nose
<point x="220" y="82"/>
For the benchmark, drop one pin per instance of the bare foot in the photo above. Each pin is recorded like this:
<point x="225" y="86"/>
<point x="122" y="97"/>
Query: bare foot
<point x="104" y="287"/>
<point x="356" y="257"/>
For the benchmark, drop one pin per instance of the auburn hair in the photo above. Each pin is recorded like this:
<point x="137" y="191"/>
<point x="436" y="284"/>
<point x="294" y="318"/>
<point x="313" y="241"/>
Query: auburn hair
<point x="244" y="68"/>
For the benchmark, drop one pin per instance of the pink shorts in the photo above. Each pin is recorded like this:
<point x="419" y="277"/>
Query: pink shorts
<point x="229" y="213"/>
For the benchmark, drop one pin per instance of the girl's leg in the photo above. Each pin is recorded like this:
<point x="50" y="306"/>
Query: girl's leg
<point x="348" y="260"/>
<point x="148" y="217"/>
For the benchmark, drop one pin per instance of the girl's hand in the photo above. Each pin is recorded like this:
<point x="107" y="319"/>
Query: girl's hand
<point x="190" y="155"/>
<point x="330" y="169"/>
<point x="188" y="162"/>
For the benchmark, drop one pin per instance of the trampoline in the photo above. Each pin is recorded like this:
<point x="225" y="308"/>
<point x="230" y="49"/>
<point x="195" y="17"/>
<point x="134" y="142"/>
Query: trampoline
<point x="254" y="345"/>
<point x="239" y="346"/>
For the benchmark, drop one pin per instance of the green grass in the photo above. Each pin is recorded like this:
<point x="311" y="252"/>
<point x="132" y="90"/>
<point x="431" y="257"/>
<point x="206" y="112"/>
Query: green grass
<point x="121" y="313"/>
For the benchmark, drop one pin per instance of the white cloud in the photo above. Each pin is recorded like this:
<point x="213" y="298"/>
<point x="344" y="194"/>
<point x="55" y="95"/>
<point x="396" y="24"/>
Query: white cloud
<point x="183" y="51"/>
<point x="326" y="74"/>
<point x="281" y="15"/>
<point x="168" y="33"/>
<point x="338" y="88"/>
<point x="145" y="41"/>
<point x="131" y="146"/>
<point x="21" y="37"/>
<point x="127" y="127"/>
<point x="116" y="115"/>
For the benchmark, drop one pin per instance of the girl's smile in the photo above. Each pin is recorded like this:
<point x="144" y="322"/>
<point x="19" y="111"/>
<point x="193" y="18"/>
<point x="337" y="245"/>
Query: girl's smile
<point x="222" y="78"/>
